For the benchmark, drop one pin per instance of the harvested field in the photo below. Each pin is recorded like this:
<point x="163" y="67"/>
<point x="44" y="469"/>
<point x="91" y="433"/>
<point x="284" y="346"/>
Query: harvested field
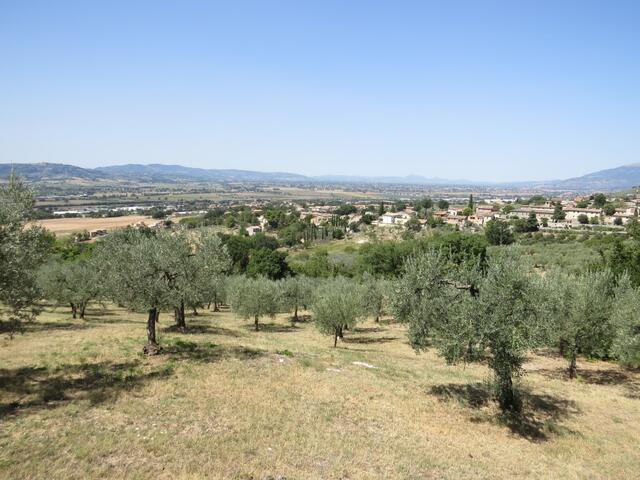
<point x="66" y="226"/>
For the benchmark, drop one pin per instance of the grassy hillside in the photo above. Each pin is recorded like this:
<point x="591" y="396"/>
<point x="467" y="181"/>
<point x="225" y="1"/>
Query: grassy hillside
<point x="78" y="400"/>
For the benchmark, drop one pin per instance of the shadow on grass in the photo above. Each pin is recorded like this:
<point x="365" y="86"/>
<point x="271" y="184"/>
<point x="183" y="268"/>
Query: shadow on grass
<point x="368" y="330"/>
<point x="272" y="327"/>
<point x="37" y="326"/>
<point x="200" y="328"/>
<point x="208" y="352"/>
<point x="538" y="420"/>
<point x="369" y="340"/>
<point x="38" y="388"/>
<point x="601" y="376"/>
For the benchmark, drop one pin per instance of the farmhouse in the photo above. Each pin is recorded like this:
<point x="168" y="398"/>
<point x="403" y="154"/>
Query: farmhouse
<point x="573" y="213"/>
<point x="540" y="212"/>
<point x="398" y="218"/>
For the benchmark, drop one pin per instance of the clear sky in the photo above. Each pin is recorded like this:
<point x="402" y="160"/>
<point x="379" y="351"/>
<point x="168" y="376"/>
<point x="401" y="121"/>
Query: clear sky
<point x="513" y="90"/>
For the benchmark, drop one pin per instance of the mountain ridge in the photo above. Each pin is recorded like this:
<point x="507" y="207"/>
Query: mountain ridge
<point x="618" y="178"/>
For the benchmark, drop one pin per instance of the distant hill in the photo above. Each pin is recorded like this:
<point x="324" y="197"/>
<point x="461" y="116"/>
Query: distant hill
<point x="409" y="179"/>
<point x="38" y="172"/>
<point x="163" y="173"/>
<point x="620" y="178"/>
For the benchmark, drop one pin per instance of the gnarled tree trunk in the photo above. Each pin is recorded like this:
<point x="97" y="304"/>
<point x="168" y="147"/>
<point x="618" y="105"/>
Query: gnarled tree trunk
<point x="256" y="323"/>
<point x="181" y="324"/>
<point x="152" y="347"/>
<point x="573" y="366"/>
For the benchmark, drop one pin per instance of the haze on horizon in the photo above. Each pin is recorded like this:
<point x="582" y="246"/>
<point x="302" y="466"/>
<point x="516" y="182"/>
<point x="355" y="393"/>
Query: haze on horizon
<point x="487" y="91"/>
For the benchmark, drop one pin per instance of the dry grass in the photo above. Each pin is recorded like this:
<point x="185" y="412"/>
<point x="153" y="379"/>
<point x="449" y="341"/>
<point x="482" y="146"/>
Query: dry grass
<point x="66" y="226"/>
<point x="77" y="400"/>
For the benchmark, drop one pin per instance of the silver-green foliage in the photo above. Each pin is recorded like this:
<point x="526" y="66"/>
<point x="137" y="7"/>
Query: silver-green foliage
<point x="23" y="249"/>
<point x="296" y="292"/>
<point x="465" y="310"/>
<point x="254" y="297"/>
<point x="140" y="271"/>
<point x="579" y="310"/>
<point x="625" y="318"/>
<point x="337" y="304"/>
<point x="376" y="294"/>
<point x="72" y="284"/>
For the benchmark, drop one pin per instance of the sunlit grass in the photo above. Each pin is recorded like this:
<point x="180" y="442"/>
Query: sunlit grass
<point x="78" y="400"/>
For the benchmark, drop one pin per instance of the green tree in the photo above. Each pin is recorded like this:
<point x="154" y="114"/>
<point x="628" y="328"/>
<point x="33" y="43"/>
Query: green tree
<point x="463" y="310"/>
<point x="337" y="304"/>
<point x="23" y="249"/>
<point x="214" y="263"/>
<point x="254" y="298"/>
<point x="599" y="200"/>
<point x="74" y="284"/>
<point x="583" y="219"/>
<point x="609" y="209"/>
<point x="443" y="204"/>
<point x="269" y="263"/>
<point x="558" y="213"/>
<point x="296" y="292"/>
<point x="580" y="309"/>
<point x="626" y="322"/>
<point x="498" y="232"/>
<point x="140" y="271"/>
<point x="375" y="295"/>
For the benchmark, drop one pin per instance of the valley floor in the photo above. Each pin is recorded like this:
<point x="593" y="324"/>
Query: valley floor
<point x="78" y="400"/>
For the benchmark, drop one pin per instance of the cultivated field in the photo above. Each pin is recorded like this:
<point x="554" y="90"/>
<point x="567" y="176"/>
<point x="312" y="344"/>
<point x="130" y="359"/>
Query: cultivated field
<point x="66" y="226"/>
<point x="78" y="400"/>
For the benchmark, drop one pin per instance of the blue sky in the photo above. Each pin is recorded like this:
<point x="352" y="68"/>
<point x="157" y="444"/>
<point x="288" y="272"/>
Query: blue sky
<point x="480" y="90"/>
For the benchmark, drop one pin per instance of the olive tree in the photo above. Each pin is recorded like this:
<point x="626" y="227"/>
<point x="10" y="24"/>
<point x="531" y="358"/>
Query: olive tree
<point x="254" y="297"/>
<point x="139" y="271"/>
<point x="23" y="249"/>
<point x="74" y="284"/>
<point x="580" y="311"/>
<point x="296" y="293"/>
<point x="214" y="263"/>
<point x="626" y="322"/>
<point x="375" y="295"/>
<point x="337" y="304"/>
<point x="465" y="309"/>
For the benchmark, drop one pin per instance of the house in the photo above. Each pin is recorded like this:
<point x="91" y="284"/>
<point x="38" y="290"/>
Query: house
<point x="540" y="212"/>
<point x="572" y="214"/>
<point x="456" y="220"/>
<point x="485" y="210"/>
<point x="397" y="218"/>
<point x="252" y="230"/>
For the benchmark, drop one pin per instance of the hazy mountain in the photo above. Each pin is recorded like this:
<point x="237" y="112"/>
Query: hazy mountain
<point x="409" y="179"/>
<point x="619" y="178"/>
<point x="37" y="172"/>
<point x="164" y="173"/>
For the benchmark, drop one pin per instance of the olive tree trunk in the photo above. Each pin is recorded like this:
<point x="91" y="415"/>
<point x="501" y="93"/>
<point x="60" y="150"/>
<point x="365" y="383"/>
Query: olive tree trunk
<point x="152" y="348"/>
<point x="181" y="324"/>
